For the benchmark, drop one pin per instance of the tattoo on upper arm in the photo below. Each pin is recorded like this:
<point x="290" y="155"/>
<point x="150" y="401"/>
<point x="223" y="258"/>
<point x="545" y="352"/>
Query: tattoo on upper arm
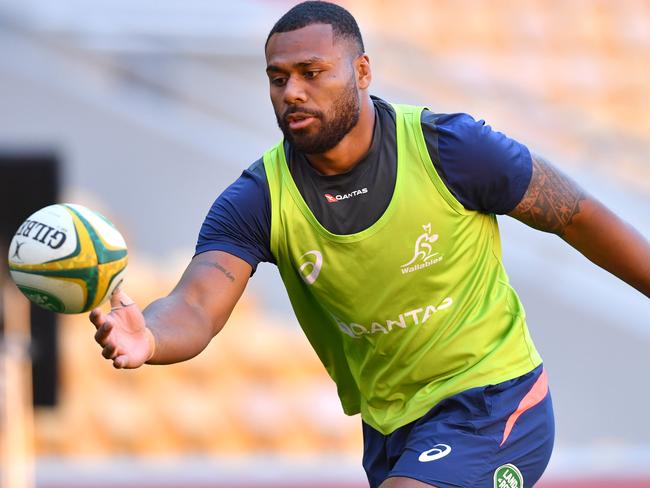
<point x="551" y="201"/>
<point x="216" y="265"/>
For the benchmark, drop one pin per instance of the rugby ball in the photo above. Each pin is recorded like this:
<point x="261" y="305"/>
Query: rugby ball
<point x="67" y="258"/>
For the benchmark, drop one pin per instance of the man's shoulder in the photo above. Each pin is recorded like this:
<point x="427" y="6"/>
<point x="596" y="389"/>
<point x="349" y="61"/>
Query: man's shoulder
<point x="255" y="176"/>
<point x="249" y="189"/>
<point x="239" y="220"/>
<point x="256" y="170"/>
<point x="458" y="122"/>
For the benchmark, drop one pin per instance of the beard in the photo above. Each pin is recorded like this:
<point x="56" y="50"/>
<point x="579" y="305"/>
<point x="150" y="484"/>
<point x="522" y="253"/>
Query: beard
<point x="335" y="125"/>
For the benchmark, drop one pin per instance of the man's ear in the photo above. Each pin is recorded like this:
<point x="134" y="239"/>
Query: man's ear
<point x="363" y="71"/>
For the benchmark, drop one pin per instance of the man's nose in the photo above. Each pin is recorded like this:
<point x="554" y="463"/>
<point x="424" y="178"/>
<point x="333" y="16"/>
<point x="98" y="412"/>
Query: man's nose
<point x="294" y="91"/>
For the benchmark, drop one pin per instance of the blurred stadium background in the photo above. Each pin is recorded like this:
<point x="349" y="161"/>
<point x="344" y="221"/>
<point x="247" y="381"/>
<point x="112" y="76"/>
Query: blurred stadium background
<point x="151" y="108"/>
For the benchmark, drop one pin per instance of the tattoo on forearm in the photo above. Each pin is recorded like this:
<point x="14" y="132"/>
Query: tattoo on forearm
<point x="227" y="273"/>
<point x="551" y="201"/>
<point x="224" y="271"/>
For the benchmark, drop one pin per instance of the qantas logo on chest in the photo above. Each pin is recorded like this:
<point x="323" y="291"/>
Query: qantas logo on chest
<point x="338" y="197"/>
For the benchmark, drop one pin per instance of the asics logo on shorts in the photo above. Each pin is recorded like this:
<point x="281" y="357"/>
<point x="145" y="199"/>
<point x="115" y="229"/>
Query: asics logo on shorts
<point x="437" y="452"/>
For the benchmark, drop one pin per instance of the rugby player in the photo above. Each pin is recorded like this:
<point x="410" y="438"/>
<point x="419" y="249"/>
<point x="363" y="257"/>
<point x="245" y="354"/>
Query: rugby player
<point x="381" y="220"/>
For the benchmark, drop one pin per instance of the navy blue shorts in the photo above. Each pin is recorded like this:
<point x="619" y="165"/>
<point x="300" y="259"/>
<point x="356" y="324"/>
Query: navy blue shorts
<point x="497" y="436"/>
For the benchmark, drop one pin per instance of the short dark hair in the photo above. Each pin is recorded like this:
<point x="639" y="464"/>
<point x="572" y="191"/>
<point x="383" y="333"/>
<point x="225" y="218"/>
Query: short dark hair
<point x="317" y="12"/>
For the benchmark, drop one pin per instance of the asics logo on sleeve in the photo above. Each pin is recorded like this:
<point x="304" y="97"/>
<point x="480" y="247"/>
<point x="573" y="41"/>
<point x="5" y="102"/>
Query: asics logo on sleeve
<point x="310" y="269"/>
<point x="437" y="452"/>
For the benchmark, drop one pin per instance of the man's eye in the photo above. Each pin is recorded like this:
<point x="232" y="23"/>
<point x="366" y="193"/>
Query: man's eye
<point x="279" y="81"/>
<point x="311" y="74"/>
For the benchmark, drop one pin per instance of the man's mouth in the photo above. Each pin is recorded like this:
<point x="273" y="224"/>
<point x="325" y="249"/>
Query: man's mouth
<point x="297" y="120"/>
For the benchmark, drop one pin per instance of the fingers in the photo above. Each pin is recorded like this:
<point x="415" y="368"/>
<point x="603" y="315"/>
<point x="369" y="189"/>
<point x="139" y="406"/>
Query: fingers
<point x="121" y="362"/>
<point x="102" y="337"/>
<point x="109" y="351"/>
<point x="103" y="332"/>
<point x="119" y="299"/>
<point x="110" y="329"/>
<point x="97" y="317"/>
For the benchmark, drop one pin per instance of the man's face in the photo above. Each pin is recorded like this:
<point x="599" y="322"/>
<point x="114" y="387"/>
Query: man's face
<point x="313" y="87"/>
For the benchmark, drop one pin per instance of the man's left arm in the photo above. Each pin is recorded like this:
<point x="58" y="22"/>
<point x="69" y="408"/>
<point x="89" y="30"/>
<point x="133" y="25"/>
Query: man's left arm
<point x="554" y="203"/>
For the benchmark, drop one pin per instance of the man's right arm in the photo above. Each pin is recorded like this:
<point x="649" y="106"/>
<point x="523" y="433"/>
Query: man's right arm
<point x="179" y="326"/>
<point x="184" y="322"/>
<point x="233" y="239"/>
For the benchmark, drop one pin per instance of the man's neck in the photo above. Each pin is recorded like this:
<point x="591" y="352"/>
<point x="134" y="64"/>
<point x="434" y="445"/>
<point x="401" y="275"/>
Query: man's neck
<point x="352" y="148"/>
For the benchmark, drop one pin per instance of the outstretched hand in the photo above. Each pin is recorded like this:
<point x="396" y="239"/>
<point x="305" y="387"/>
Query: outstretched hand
<point x="122" y="333"/>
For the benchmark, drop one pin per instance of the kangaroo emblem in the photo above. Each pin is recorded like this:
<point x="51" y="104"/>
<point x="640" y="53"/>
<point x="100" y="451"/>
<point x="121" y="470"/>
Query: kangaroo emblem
<point x="423" y="250"/>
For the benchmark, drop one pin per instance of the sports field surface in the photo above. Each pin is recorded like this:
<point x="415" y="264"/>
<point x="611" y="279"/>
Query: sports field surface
<point x="558" y="484"/>
<point x="267" y="471"/>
